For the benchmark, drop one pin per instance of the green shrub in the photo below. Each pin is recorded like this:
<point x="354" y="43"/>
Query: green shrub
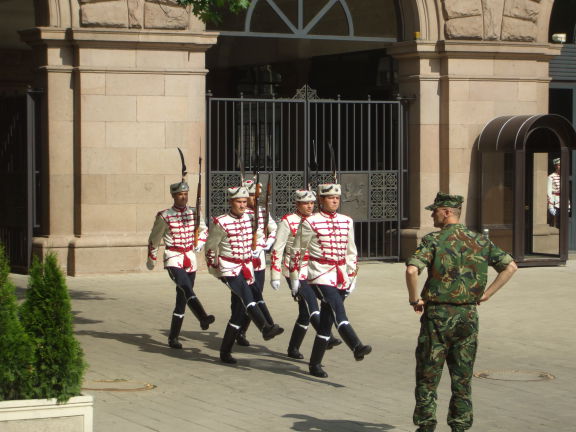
<point x="47" y="318"/>
<point x="16" y="349"/>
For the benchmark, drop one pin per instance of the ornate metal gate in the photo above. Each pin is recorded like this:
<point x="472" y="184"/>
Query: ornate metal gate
<point x="288" y="140"/>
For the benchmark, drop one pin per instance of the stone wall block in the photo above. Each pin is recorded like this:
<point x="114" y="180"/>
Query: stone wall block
<point x="518" y="30"/>
<point x="108" y="108"/>
<point x="107" y="13"/>
<point x="108" y="161"/>
<point x="108" y="218"/>
<point x="93" y="134"/>
<point x="135" y="134"/>
<point x="134" y="189"/>
<point x="93" y="83"/>
<point x="93" y="189"/>
<point x="163" y="108"/>
<point x="493" y="10"/>
<point x="146" y="214"/>
<point x="522" y="9"/>
<point x="161" y="161"/>
<point x="134" y="84"/>
<point x="462" y="8"/>
<point x="465" y="28"/>
<point x="136" y="14"/>
<point x="165" y="14"/>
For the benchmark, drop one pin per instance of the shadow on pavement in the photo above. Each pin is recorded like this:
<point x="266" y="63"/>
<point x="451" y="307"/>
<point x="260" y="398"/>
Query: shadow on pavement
<point x="307" y="423"/>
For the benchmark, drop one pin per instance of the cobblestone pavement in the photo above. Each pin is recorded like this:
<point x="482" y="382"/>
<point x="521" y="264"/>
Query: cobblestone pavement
<point x="122" y="323"/>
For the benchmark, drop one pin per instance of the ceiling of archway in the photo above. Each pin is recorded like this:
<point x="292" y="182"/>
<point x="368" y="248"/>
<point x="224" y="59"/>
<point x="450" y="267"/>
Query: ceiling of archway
<point x="15" y="15"/>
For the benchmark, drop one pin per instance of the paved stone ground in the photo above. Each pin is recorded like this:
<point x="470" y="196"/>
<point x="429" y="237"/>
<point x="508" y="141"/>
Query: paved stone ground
<point x="122" y="323"/>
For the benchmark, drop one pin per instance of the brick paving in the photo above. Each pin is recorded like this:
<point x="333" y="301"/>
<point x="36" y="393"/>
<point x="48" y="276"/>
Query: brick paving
<point x="122" y="323"/>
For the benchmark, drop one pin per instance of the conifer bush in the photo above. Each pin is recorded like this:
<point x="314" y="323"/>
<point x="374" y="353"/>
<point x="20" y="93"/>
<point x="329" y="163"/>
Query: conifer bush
<point x="16" y="349"/>
<point x="47" y="317"/>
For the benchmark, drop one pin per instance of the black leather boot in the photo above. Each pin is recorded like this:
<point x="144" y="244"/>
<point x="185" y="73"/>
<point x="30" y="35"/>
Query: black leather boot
<point x="175" y="327"/>
<point x="333" y="341"/>
<point x="227" y="343"/>
<point x="318" y="350"/>
<point x="351" y="339"/>
<point x="266" y="312"/>
<point x="199" y="312"/>
<point x="241" y="338"/>
<point x="268" y="331"/>
<point x="296" y="339"/>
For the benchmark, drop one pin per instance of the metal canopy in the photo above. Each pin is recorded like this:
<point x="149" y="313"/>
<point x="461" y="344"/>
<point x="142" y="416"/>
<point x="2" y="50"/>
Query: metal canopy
<point x="510" y="133"/>
<point x="299" y="30"/>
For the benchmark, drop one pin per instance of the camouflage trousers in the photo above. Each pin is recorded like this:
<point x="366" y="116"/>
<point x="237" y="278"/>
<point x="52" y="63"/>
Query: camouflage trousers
<point x="448" y="333"/>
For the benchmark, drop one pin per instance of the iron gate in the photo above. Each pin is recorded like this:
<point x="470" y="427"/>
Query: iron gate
<point x="288" y="140"/>
<point x="18" y="175"/>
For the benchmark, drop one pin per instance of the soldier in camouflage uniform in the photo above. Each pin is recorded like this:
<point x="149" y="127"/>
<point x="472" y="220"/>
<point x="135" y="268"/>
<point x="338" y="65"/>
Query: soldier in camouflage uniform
<point x="457" y="260"/>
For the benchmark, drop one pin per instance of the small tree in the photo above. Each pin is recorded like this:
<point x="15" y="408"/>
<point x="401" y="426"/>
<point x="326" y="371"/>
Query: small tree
<point x="47" y="318"/>
<point x="16" y="349"/>
<point x="212" y="10"/>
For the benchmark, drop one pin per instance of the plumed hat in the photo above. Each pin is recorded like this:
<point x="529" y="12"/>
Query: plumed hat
<point x="328" y="189"/>
<point x="304" y="195"/>
<point x="238" y="192"/>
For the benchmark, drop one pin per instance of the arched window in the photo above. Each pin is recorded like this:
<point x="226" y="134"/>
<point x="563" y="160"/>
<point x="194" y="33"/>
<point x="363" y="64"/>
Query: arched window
<point x="358" y="20"/>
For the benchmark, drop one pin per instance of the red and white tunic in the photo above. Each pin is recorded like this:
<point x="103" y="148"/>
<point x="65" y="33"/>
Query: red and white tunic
<point x="260" y="261"/>
<point x="229" y="246"/>
<point x="175" y="226"/>
<point x="553" y="190"/>
<point x="329" y="240"/>
<point x="283" y="249"/>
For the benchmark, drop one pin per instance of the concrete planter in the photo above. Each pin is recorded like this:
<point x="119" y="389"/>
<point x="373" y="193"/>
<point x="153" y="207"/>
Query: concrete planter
<point x="46" y="415"/>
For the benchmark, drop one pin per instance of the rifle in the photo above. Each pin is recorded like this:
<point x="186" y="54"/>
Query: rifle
<point x="267" y="203"/>
<point x="333" y="162"/>
<point x="256" y="213"/>
<point x="198" y="202"/>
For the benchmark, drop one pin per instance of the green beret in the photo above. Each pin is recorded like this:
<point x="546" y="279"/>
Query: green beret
<point x="446" y="200"/>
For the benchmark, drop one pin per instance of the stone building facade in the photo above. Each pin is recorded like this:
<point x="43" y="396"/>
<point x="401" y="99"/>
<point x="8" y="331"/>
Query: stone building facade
<point x="124" y="84"/>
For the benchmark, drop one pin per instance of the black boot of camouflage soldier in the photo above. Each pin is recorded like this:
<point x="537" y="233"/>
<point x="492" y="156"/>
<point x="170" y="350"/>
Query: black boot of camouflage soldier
<point x="296" y="339"/>
<point x="199" y="312"/>
<point x="175" y="327"/>
<point x="315" y="321"/>
<point x="351" y="339"/>
<point x="227" y="344"/>
<point x="318" y="350"/>
<point x="268" y="331"/>
<point x="241" y="338"/>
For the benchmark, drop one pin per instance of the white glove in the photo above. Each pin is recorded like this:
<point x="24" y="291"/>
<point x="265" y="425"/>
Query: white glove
<point x="256" y="252"/>
<point x="269" y="244"/>
<point x="351" y="287"/>
<point x="294" y="286"/>
<point x="199" y="248"/>
<point x="275" y="284"/>
<point x="150" y="264"/>
<point x="552" y="210"/>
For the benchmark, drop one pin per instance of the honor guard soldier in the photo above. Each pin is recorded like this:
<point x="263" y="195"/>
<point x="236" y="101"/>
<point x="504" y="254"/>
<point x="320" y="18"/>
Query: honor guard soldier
<point x="332" y="268"/>
<point x="457" y="261"/>
<point x="176" y="227"/>
<point x="265" y="242"/>
<point x="282" y="253"/>
<point x="229" y="257"/>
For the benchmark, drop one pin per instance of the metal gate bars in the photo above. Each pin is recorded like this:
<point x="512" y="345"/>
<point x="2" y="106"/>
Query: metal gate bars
<point x="288" y="140"/>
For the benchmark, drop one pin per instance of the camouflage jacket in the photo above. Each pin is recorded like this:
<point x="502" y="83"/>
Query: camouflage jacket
<point x="457" y="260"/>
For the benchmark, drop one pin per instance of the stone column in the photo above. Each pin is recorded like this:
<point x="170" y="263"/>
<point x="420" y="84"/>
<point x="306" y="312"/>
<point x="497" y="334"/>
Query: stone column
<point x="122" y="92"/>
<point x="459" y="86"/>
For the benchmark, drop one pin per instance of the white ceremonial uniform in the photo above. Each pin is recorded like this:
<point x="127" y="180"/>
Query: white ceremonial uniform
<point x="175" y="226"/>
<point x="329" y="239"/>
<point x="263" y="240"/>
<point x="229" y="246"/>
<point x="553" y="191"/>
<point x="283" y="249"/>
